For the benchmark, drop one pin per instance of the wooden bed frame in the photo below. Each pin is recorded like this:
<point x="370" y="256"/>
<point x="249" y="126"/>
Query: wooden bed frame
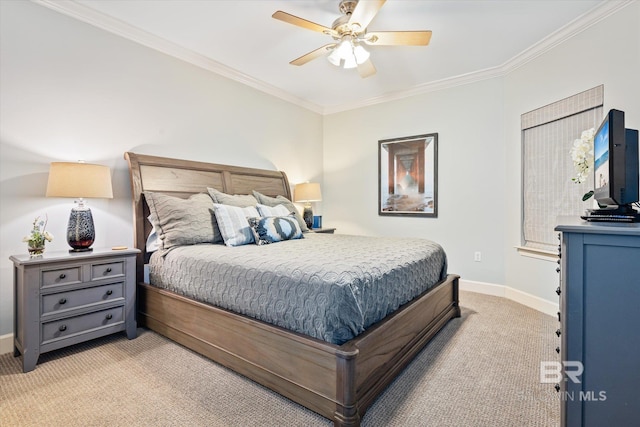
<point x="337" y="382"/>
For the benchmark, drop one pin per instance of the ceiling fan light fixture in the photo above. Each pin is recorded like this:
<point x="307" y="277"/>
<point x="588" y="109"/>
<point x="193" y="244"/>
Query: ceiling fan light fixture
<point x="345" y="47"/>
<point x="350" y="33"/>
<point x="348" y="54"/>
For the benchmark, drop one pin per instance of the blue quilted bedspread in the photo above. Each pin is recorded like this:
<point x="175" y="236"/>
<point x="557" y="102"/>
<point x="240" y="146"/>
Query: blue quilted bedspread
<point x="328" y="286"/>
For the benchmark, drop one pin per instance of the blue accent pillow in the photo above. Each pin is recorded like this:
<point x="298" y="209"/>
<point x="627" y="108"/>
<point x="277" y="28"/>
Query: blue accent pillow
<point x="275" y="229"/>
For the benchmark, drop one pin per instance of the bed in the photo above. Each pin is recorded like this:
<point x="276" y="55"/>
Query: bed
<point x="338" y="380"/>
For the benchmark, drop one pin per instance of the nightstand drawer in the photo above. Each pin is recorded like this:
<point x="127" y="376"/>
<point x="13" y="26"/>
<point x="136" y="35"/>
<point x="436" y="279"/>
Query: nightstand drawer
<point x="63" y="298"/>
<point x="66" y="328"/>
<point x="110" y="269"/>
<point x="61" y="276"/>
<point x="63" y="301"/>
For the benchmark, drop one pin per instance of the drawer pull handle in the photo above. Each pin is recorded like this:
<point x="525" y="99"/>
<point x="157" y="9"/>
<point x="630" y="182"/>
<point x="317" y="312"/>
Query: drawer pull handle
<point x="108" y="270"/>
<point x="62" y="301"/>
<point x="109" y="316"/>
<point x="62" y="328"/>
<point x="558" y="350"/>
<point x="62" y="275"/>
<point x="558" y="270"/>
<point x="558" y="291"/>
<point x="109" y="292"/>
<point x="558" y="332"/>
<point x="557" y="387"/>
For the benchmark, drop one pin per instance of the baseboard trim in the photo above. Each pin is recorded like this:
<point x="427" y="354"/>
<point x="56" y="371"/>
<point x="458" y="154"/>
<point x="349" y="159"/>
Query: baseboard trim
<point x="531" y="301"/>
<point x="6" y="343"/>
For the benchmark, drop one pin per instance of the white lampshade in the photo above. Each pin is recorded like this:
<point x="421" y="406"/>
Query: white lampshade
<point x="334" y="57"/>
<point x="73" y="179"/>
<point x="307" y="192"/>
<point x="350" y="62"/>
<point x="79" y="181"/>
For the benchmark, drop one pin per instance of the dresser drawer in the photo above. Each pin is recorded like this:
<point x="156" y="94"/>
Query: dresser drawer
<point x="63" y="301"/>
<point x="61" y="276"/>
<point x="72" y="326"/>
<point x="107" y="269"/>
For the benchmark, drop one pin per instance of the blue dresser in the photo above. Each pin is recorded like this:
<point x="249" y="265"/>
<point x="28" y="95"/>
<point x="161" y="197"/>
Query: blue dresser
<point x="599" y="335"/>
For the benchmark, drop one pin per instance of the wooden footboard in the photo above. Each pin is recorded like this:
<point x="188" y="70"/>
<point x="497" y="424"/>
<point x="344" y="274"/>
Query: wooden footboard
<point x="338" y="382"/>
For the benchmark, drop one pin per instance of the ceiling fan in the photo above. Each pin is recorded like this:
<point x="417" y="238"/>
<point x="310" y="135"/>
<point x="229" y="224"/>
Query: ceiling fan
<point x="350" y="33"/>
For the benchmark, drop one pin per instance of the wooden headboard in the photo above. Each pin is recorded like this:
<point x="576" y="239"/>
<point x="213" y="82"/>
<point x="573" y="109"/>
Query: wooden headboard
<point x="182" y="178"/>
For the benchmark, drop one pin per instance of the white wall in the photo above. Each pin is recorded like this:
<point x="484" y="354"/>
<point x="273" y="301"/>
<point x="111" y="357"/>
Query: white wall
<point x="607" y="53"/>
<point x="471" y="164"/>
<point x="70" y="91"/>
<point x="479" y="152"/>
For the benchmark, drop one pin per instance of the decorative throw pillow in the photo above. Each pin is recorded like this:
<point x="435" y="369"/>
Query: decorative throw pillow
<point x="279" y="210"/>
<point x="234" y="225"/>
<point x="275" y="229"/>
<point x="182" y="221"/>
<point x="239" y="200"/>
<point x="280" y="200"/>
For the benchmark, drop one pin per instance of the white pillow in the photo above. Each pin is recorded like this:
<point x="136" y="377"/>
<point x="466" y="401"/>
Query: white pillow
<point x="267" y="211"/>
<point x="153" y="243"/>
<point x="234" y="225"/>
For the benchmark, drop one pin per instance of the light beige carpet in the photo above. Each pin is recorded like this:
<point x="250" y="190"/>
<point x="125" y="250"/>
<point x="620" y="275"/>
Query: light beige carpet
<point x="480" y="370"/>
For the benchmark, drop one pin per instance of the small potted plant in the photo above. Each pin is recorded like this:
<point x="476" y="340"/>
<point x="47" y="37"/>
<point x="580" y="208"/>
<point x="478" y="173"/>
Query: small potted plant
<point x="38" y="237"/>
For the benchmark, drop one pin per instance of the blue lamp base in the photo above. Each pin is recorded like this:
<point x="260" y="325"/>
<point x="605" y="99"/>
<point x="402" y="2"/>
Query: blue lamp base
<point x="307" y="215"/>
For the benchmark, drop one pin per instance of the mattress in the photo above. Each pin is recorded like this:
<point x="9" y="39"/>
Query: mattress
<point x="327" y="286"/>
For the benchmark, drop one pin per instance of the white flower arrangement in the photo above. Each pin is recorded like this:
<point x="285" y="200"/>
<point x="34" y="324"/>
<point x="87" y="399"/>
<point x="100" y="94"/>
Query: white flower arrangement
<point x="38" y="234"/>
<point x="582" y="155"/>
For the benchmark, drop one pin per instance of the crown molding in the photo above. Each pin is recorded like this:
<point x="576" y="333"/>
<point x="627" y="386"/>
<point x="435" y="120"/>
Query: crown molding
<point x="97" y="19"/>
<point x="115" y="26"/>
<point x="578" y="25"/>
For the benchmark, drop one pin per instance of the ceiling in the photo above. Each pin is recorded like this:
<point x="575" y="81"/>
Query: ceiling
<point x="471" y="40"/>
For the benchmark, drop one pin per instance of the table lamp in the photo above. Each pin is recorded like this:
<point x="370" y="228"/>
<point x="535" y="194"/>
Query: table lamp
<point x="306" y="193"/>
<point x="79" y="180"/>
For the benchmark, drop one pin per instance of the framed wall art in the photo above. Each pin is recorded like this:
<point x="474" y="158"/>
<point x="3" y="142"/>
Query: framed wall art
<point x="408" y="176"/>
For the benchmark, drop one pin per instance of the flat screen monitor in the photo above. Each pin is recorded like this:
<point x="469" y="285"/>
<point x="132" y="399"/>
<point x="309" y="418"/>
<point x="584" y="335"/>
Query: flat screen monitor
<point x="615" y="152"/>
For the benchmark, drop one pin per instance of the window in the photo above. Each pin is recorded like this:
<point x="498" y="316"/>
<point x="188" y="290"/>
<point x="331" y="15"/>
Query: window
<point x="547" y="190"/>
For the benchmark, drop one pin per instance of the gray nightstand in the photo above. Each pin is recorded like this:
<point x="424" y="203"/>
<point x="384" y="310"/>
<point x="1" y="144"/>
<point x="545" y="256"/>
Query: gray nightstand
<point x="323" y="230"/>
<point x="64" y="298"/>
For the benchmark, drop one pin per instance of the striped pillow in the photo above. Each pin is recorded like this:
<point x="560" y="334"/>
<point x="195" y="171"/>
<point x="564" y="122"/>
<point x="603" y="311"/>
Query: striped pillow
<point x="280" y="200"/>
<point x="279" y="210"/>
<point x="233" y="223"/>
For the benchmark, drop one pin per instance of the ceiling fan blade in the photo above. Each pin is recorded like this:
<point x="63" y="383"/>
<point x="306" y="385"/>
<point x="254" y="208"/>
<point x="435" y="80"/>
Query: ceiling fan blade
<point x="364" y="12"/>
<point x="392" y="38"/>
<point x="313" y="54"/>
<point x="292" y="19"/>
<point x="366" y="69"/>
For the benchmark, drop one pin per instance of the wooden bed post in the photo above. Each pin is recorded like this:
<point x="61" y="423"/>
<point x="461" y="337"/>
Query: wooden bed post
<point x="347" y="413"/>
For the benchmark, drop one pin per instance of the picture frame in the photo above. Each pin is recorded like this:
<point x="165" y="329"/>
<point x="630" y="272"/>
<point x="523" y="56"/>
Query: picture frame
<point x="408" y="176"/>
